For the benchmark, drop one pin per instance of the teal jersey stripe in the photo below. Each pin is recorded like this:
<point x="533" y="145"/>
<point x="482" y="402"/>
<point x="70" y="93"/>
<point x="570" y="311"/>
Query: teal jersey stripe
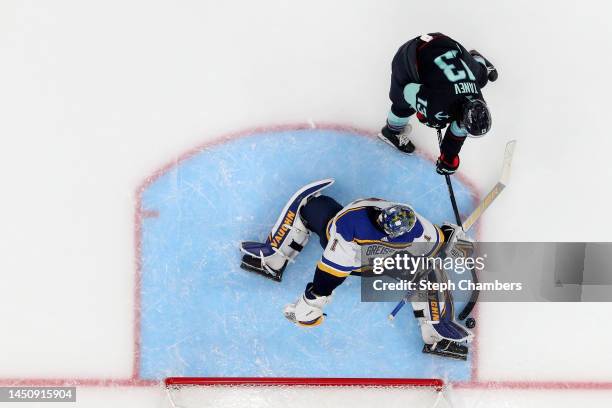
<point x="397" y="121"/>
<point x="457" y="130"/>
<point x="410" y="94"/>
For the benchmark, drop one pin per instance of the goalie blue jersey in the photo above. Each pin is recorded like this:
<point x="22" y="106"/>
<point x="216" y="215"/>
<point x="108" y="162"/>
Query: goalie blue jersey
<point x="355" y="227"/>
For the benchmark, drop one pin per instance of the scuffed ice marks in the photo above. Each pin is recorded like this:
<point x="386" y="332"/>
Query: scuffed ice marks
<point x="203" y="315"/>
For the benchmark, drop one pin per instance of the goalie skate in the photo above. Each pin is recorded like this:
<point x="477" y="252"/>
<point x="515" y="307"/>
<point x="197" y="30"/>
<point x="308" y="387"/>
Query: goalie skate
<point x="254" y="264"/>
<point x="447" y="348"/>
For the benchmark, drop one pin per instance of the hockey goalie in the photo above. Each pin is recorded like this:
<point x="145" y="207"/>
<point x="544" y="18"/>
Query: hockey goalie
<point x="342" y="231"/>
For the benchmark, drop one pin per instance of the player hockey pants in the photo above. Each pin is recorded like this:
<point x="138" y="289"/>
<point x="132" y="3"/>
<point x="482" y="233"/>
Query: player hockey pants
<point x="402" y="74"/>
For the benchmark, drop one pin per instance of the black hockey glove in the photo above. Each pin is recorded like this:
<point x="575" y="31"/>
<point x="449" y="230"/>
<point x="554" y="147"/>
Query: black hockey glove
<point x="491" y="70"/>
<point x="447" y="166"/>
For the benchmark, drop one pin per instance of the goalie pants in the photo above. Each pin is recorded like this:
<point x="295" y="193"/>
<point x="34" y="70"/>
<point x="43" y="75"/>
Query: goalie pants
<point x="317" y="213"/>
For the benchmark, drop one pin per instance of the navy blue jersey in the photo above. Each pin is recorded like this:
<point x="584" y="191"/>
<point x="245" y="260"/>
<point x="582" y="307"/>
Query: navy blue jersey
<point x="436" y="75"/>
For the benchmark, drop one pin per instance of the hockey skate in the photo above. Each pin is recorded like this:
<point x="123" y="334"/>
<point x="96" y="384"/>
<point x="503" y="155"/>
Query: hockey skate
<point x="398" y="140"/>
<point x="447" y="348"/>
<point x="258" y="264"/>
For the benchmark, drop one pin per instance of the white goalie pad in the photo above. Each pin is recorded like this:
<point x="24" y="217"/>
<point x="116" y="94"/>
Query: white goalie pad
<point x="287" y="238"/>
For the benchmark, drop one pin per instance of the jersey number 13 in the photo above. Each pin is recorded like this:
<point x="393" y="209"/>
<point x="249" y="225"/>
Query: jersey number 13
<point x="450" y="70"/>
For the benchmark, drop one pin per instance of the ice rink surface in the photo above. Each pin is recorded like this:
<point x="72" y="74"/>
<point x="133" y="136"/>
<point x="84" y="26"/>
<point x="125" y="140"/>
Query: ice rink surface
<point x="204" y="316"/>
<point x="99" y="98"/>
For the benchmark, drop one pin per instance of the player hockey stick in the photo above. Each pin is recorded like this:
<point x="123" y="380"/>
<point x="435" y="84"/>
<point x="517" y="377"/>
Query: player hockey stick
<point x="475" y="293"/>
<point x="451" y="194"/>
<point x="474" y="216"/>
<point x="496" y="190"/>
<point x="449" y="184"/>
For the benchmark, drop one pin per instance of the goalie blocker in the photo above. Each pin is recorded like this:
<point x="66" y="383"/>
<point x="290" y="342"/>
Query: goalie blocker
<point x="287" y="238"/>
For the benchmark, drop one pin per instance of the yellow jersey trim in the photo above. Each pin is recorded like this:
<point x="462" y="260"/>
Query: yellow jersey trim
<point x="440" y="241"/>
<point x="332" y="271"/>
<point x="384" y="243"/>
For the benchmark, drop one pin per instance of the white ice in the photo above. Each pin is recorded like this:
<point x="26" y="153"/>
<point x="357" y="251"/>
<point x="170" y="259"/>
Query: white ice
<point x="95" y="96"/>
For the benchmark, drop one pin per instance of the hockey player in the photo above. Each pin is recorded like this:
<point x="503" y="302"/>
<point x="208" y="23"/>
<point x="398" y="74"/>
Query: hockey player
<point x="435" y="77"/>
<point x="342" y="231"/>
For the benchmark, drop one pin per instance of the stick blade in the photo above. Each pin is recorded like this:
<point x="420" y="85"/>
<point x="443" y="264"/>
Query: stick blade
<point x="496" y="190"/>
<point x="507" y="166"/>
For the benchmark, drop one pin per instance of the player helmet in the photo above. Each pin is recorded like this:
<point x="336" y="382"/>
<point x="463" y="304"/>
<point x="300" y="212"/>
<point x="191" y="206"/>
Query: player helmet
<point x="476" y="118"/>
<point x="397" y="220"/>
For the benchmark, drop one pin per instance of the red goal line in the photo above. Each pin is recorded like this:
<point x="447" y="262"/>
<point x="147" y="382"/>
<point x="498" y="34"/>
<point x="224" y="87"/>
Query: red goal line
<point x="304" y="381"/>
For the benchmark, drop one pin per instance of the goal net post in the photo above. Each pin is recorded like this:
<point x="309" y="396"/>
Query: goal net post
<point x="285" y="392"/>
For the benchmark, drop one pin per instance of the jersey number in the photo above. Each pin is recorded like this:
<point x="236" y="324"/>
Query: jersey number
<point x="333" y="247"/>
<point x="450" y="70"/>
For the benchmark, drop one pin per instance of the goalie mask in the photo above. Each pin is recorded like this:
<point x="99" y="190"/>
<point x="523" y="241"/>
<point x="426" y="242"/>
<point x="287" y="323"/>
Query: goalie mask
<point x="397" y="220"/>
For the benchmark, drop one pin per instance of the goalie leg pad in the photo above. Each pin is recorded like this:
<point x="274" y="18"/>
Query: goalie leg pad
<point x="287" y="238"/>
<point x="436" y="317"/>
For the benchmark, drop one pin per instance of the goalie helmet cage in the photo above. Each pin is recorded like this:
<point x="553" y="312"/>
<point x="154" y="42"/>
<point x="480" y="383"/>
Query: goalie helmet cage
<point x="269" y="392"/>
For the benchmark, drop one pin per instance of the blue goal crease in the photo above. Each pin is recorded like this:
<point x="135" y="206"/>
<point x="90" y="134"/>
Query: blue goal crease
<point x="201" y="315"/>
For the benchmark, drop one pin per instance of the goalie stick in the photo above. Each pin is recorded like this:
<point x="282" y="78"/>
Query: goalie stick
<point x="471" y="220"/>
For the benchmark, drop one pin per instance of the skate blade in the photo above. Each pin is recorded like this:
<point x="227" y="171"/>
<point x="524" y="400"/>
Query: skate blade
<point x="384" y="139"/>
<point x="435" y="352"/>
<point x="275" y="278"/>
